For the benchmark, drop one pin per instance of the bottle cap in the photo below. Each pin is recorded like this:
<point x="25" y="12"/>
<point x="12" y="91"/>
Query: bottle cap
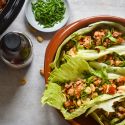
<point x="11" y="41"/>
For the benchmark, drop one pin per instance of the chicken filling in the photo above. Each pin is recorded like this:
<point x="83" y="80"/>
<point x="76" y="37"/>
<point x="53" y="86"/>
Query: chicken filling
<point x="102" y="38"/>
<point x="113" y="59"/>
<point x="114" y="117"/>
<point x="83" y="90"/>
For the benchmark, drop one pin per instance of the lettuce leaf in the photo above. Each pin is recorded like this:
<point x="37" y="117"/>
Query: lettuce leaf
<point x="112" y="122"/>
<point x="69" y="71"/>
<point x="108" y="107"/>
<point x="98" y="66"/>
<point x="97" y="118"/>
<point x="74" y="68"/>
<point x="83" y="108"/>
<point x="100" y="73"/>
<point x="91" y="55"/>
<point x="122" y="123"/>
<point x="53" y="96"/>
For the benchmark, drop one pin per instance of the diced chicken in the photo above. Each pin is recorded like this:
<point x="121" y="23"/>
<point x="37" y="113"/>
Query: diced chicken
<point x="120" y="40"/>
<point x="116" y="34"/>
<point x="87" y="42"/>
<point x="97" y="82"/>
<point x="118" y="62"/>
<point x="72" y="51"/>
<point x="70" y="91"/>
<point x="79" y="102"/>
<point x="88" y="90"/>
<point x="112" y="62"/>
<point x="99" y="34"/>
<point x="121" y="109"/>
<point x="106" y="42"/>
<point x="68" y="103"/>
<point x="92" y="87"/>
<point x="95" y="94"/>
<point x="121" y="79"/>
<point x="98" y="42"/>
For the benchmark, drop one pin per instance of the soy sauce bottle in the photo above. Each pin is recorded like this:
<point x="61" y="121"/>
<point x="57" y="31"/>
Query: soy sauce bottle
<point x="16" y="49"/>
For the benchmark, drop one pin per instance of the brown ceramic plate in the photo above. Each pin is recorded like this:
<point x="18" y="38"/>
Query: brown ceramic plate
<point x="59" y="38"/>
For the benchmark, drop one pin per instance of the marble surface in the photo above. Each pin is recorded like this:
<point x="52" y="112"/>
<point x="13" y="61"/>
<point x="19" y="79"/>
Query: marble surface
<point x="20" y="104"/>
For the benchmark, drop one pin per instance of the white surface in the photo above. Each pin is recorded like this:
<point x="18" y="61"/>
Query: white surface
<point x="31" y="19"/>
<point x="20" y="105"/>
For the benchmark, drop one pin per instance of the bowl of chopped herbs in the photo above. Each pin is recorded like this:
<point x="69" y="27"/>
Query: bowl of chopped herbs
<point x="47" y="15"/>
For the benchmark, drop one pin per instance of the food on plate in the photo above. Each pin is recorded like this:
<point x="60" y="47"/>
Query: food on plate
<point x="82" y="90"/>
<point x="113" y="62"/>
<point x="75" y="87"/>
<point x="93" y="42"/>
<point x="2" y="4"/>
<point x="88" y="70"/>
<point x="49" y="12"/>
<point x="113" y="59"/>
<point x="110" y="113"/>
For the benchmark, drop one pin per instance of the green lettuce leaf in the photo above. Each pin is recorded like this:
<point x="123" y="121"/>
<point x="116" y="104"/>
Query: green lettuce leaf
<point x="122" y="123"/>
<point x="91" y="55"/>
<point x="100" y="73"/>
<point x="74" y="68"/>
<point x="53" y="96"/>
<point x="107" y="106"/>
<point x="71" y="70"/>
<point x="116" y="70"/>
<point x="83" y="108"/>
<point x="97" y="118"/>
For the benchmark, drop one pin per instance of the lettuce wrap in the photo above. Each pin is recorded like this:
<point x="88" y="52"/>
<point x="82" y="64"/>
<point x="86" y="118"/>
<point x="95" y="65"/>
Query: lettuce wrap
<point x="75" y="87"/>
<point x="91" y="42"/>
<point x="111" y="112"/>
<point x="112" y="69"/>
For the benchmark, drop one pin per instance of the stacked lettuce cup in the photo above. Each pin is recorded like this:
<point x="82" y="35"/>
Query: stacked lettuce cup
<point x="88" y="74"/>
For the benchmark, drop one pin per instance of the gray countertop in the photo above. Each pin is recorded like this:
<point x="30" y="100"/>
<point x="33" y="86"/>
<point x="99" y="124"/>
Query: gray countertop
<point x="20" y="104"/>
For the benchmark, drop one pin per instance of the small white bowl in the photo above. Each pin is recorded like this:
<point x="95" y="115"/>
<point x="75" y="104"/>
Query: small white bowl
<point x="31" y="18"/>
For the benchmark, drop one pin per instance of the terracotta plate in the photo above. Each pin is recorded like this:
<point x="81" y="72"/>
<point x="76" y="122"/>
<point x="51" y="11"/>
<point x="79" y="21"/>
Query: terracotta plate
<point x="59" y="38"/>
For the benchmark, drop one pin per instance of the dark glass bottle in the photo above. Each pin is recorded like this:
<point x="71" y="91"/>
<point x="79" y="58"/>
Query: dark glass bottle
<point x="16" y="49"/>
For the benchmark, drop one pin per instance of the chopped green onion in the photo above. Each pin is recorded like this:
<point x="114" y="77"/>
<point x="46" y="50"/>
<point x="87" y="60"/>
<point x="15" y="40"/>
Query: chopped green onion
<point x="48" y="12"/>
<point x="111" y="37"/>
